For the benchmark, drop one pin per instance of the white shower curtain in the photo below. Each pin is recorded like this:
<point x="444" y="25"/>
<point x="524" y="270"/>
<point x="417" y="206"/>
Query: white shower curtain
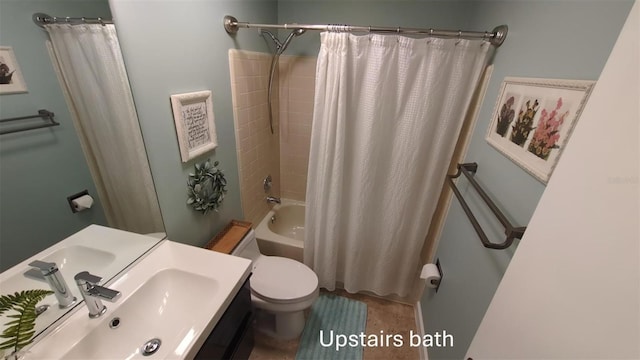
<point x="388" y="111"/>
<point x="94" y="76"/>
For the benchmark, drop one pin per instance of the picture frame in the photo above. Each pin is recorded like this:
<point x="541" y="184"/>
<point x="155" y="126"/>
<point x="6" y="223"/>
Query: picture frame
<point x="11" y="79"/>
<point x="195" y="123"/>
<point x="533" y="120"/>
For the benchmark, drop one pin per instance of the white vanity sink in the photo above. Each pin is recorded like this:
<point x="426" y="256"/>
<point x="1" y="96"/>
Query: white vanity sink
<point x="177" y="294"/>
<point x="75" y="258"/>
<point x="161" y="300"/>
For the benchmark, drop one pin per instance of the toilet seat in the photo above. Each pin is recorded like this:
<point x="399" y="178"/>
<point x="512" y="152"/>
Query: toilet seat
<point x="281" y="280"/>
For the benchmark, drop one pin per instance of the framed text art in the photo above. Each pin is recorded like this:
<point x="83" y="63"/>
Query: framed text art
<point x="195" y="126"/>
<point x="533" y="119"/>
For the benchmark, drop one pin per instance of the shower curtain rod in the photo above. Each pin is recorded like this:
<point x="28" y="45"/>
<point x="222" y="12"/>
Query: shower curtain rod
<point x="42" y="19"/>
<point x="495" y="37"/>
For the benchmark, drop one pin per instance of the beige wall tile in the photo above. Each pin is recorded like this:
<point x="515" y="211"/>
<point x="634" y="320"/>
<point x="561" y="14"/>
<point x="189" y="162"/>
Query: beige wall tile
<point x="257" y="149"/>
<point x="297" y="87"/>
<point x="285" y="155"/>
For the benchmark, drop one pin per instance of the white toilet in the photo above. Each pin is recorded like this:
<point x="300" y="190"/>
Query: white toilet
<point x="281" y="289"/>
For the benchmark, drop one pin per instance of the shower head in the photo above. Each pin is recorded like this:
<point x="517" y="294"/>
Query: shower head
<point x="273" y="37"/>
<point x="299" y="31"/>
<point x="294" y="33"/>
<point x="281" y="46"/>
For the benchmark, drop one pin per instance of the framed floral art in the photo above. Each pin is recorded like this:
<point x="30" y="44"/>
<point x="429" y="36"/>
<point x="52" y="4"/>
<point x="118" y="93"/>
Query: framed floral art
<point x="533" y="119"/>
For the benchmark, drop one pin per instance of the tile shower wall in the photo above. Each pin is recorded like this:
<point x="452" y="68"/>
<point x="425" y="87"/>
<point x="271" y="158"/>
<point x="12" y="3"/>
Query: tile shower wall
<point x="297" y="88"/>
<point x="258" y="150"/>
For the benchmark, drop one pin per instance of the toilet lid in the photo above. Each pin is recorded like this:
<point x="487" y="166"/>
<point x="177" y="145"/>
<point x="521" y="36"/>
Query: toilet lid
<point x="279" y="279"/>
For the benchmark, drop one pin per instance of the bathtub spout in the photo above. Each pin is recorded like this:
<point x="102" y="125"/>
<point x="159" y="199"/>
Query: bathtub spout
<point x="273" y="200"/>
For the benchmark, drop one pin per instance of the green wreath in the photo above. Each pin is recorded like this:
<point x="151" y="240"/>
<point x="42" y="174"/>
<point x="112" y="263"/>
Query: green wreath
<point x="206" y="187"/>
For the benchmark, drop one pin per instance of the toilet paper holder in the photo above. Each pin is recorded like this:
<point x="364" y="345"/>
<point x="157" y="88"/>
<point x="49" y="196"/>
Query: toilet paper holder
<point x="432" y="275"/>
<point x="437" y="282"/>
<point x="75" y="196"/>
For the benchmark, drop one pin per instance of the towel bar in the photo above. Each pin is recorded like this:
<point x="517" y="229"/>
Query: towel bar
<point x="46" y="115"/>
<point x="512" y="232"/>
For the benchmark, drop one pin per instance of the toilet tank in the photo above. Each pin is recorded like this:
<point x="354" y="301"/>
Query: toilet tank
<point x="248" y="247"/>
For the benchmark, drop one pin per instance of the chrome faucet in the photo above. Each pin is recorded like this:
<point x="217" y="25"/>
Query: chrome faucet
<point x="273" y="200"/>
<point x="92" y="293"/>
<point x="53" y="277"/>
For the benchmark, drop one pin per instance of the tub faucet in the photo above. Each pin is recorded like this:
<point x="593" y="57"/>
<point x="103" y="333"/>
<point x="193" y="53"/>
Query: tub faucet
<point x="53" y="277"/>
<point x="273" y="200"/>
<point x="92" y="293"/>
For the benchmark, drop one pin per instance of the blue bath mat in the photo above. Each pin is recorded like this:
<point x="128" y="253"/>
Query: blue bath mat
<point x="332" y="317"/>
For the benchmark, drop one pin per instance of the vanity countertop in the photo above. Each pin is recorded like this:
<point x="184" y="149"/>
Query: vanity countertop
<point x="176" y="293"/>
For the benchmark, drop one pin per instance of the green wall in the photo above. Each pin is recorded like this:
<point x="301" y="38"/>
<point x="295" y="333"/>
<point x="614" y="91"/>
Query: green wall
<point x="40" y="168"/>
<point x="172" y="47"/>
<point x="550" y="39"/>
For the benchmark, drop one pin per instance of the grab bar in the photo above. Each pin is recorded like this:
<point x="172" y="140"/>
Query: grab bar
<point x="510" y="231"/>
<point x="46" y="115"/>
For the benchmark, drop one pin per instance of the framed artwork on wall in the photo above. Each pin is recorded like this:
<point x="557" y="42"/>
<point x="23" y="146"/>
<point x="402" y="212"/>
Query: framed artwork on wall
<point x="195" y="123"/>
<point x="11" y="80"/>
<point x="533" y="119"/>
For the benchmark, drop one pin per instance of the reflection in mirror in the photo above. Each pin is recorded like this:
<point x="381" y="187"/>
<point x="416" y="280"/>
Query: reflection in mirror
<point x="89" y="63"/>
<point x="78" y="73"/>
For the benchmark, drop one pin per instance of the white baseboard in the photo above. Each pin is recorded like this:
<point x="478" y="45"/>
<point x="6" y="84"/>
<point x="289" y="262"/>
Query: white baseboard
<point x="420" y="326"/>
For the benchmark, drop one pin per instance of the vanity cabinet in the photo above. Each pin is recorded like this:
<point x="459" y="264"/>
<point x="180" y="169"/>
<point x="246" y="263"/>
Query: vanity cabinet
<point x="232" y="337"/>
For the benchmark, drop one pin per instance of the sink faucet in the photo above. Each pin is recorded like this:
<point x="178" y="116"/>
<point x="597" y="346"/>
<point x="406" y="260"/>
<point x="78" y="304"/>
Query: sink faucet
<point x="53" y="277"/>
<point x="92" y="293"/>
<point x="273" y="200"/>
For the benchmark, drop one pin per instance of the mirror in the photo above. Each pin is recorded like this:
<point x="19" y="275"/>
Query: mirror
<point x="40" y="169"/>
<point x="102" y="251"/>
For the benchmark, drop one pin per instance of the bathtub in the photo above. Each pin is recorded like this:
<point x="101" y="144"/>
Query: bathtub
<point x="281" y="232"/>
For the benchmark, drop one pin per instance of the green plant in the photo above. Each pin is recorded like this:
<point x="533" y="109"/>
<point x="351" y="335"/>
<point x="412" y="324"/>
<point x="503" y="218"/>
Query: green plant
<point x="206" y="187"/>
<point x="524" y="124"/>
<point x="547" y="134"/>
<point x="20" y="329"/>
<point x="506" y="116"/>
